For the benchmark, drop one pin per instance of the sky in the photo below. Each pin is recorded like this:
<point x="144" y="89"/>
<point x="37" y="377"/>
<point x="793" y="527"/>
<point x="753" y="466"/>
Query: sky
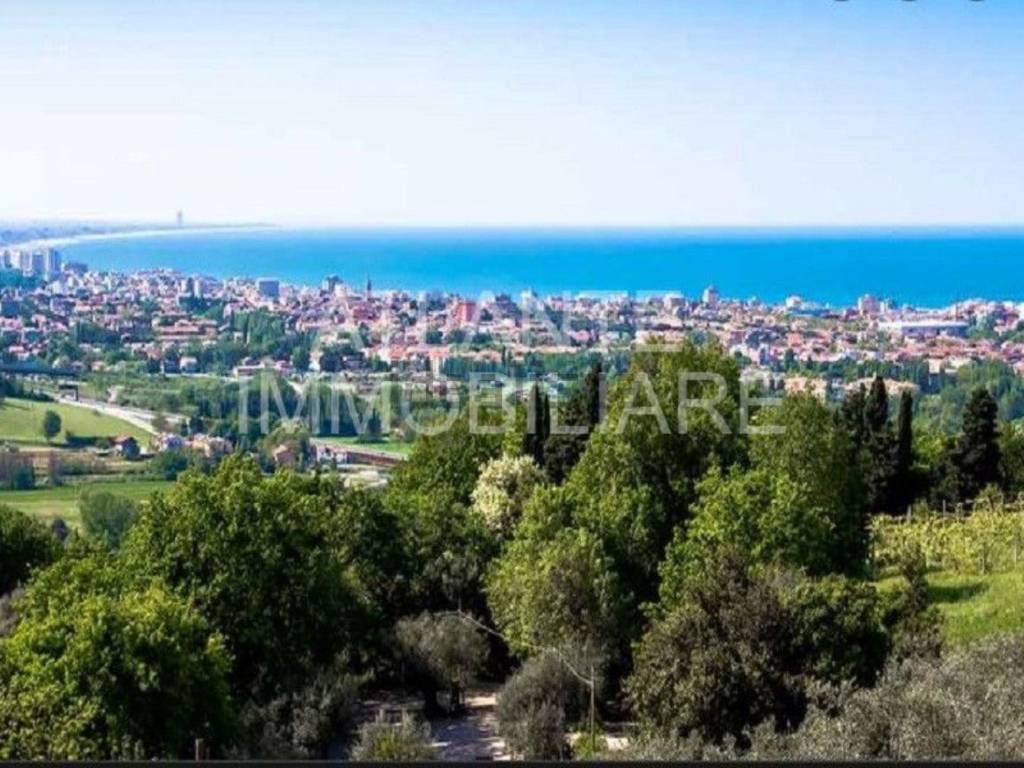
<point x="683" y="113"/>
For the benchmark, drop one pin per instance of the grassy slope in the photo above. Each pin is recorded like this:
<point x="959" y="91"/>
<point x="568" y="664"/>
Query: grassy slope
<point x="20" y="422"/>
<point x="975" y="606"/>
<point x="385" y="446"/>
<point x="49" y="503"/>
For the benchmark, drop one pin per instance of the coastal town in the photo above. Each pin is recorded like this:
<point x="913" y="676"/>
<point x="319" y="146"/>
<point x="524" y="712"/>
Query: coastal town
<point x="162" y="316"/>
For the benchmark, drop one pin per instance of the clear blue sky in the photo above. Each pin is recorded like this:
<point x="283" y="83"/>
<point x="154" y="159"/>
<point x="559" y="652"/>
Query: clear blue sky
<point x="693" y="112"/>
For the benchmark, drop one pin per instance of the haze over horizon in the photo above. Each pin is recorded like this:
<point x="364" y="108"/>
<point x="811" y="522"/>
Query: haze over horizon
<point x="585" y="114"/>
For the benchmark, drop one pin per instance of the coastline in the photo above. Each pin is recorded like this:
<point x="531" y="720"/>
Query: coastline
<point x="58" y="242"/>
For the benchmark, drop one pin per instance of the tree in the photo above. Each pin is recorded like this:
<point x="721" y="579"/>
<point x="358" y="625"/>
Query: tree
<point x="554" y="585"/>
<point x="25" y="544"/>
<point x="538" y="425"/>
<point x="444" y="652"/>
<point x="760" y="512"/>
<point x="562" y="451"/>
<point x="637" y="480"/>
<point x="300" y="358"/>
<point x="819" y="456"/>
<point x="263" y="560"/>
<point x="904" y="490"/>
<point x="100" y="668"/>
<point x="51" y="425"/>
<point x="721" y="660"/>
<point x="505" y="485"/>
<point x="738" y="646"/>
<point x="106" y="516"/>
<point x="973" y="460"/>
<point x="431" y="492"/>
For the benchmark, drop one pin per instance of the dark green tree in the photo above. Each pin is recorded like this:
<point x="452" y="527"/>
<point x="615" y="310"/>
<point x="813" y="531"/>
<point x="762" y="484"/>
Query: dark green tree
<point x="51" y="425"/>
<point x="562" y="451"/>
<point x="904" y="485"/>
<point x="25" y="544"/>
<point x="973" y="461"/>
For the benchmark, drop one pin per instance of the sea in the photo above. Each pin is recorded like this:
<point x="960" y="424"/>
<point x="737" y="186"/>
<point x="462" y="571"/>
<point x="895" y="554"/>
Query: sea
<point x="917" y="267"/>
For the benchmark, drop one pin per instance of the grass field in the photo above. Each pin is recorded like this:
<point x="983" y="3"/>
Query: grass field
<point x="20" y="422"/>
<point x="385" y="446"/>
<point x="975" y="607"/>
<point x="48" y="503"/>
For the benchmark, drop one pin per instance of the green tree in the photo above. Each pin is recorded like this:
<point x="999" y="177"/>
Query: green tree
<point x="973" y="460"/>
<point x="555" y="585"/>
<point x="444" y="652"/>
<point x="904" y="483"/>
<point x="263" y="560"/>
<point x="300" y="358"/>
<point x="50" y="426"/>
<point x="106" y="516"/>
<point x="721" y="660"/>
<point x="25" y="544"/>
<point x="562" y="451"/>
<point x="431" y="492"/>
<point x="671" y="416"/>
<point x="760" y="512"/>
<point x="99" y="669"/>
<point x="505" y="485"/>
<point x="819" y="456"/>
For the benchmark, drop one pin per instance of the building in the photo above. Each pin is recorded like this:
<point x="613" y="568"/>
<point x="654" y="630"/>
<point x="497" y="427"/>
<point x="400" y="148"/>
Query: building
<point x="710" y="296"/>
<point x="868" y="305"/>
<point x="268" y="287"/>
<point x="464" y="312"/>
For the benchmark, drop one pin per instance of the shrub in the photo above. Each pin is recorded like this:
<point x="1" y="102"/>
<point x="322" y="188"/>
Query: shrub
<point x="380" y="740"/>
<point x="965" y="707"/>
<point x="538" y="702"/>
<point x="301" y="724"/>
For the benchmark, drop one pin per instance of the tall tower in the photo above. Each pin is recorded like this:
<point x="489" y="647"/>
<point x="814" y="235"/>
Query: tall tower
<point x="180" y="218"/>
<point x="369" y="287"/>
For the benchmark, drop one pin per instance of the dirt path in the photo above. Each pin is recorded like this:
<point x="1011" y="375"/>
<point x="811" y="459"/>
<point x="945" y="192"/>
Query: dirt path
<point x="473" y="736"/>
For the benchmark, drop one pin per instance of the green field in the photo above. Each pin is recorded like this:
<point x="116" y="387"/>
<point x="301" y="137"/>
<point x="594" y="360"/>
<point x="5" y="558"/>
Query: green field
<point x="20" y="422"/>
<point x="396" y="447"/>
<point x="62" y="501"/>
<point x="974" y="606"/>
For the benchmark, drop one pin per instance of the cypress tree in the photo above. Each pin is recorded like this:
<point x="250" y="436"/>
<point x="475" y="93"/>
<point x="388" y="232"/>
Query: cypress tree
<point x="978" y="453"/>
<point x="876" y="409"/>
<point x="852" y="416"/>
<point x="904" y="490"/>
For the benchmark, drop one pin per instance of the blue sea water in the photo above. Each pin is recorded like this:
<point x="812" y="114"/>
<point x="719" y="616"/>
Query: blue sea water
<point x="922" y="267"/>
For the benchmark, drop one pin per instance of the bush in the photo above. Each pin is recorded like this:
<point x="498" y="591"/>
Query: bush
<point x="25" y="544"/>
<point x="963" y="707"/>
<point x="380" y="740"/>
<point x="301" y="724"/>
<point x="537" y="703"/>
<point x="743" y="646"/>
